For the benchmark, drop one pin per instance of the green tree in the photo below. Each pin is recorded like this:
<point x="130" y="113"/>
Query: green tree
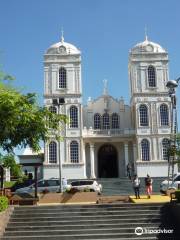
<point x="174" y="151"/>
<point x="23" y="121"/>
<point x="10" y="162"/>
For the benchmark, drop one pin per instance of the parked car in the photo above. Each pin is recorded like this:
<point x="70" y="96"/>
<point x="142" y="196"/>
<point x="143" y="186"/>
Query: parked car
<point x="44" y="185"/>
<point x="173" y="183"/>
<point x="83" y="185"/>
<point x="25" y="183"/>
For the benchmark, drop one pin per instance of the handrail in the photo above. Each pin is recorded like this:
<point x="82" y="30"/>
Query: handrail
<point x="107" y="132"/>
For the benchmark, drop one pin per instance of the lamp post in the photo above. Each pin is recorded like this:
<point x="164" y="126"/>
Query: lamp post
<point x="1" y="176"/>
<point x="59" y="102"/>
<point x="172" y="85"/>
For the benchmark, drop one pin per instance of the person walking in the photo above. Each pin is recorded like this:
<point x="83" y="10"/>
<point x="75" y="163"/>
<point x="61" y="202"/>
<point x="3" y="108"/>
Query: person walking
<point x="136" y="186"/>
<point x="128" y="168"/>
<point x="148" y="185"/>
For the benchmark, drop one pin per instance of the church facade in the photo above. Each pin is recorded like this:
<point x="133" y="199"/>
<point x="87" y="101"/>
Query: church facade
<point x="105" y="135"/>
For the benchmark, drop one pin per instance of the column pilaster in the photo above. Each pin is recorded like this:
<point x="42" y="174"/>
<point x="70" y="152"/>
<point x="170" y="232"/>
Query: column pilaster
<point x="126" y="153"/>
<point x="135" y="156"/>
<point x="84" y="158"/>
<point x="92" y="160"/>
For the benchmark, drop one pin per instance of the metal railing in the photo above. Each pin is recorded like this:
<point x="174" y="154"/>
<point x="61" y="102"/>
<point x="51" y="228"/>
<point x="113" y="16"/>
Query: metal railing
<point x="107" y="132"/>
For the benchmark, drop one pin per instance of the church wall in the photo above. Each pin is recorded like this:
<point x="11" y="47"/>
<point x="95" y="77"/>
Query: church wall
<point x="124" y="114"/>
<point x="140" y="58"/>
<point x="130" y="153"/>
<point x="139" y="73"/>
<point x="71" y="171"/>
<point x="51" y="78"/>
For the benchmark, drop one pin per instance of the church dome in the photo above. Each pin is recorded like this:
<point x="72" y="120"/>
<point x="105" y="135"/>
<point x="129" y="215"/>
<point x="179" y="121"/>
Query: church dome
<point x="63" y="48"/>
<point x="148" y="46"/>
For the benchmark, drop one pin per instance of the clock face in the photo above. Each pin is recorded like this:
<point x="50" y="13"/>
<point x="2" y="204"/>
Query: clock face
<point x="149" y="48"/>
<point x="62" y="49"/>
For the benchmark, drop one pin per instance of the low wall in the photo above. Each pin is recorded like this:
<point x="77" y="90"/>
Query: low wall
<point x="175" y="210"/>
<point x="4" y="218"/>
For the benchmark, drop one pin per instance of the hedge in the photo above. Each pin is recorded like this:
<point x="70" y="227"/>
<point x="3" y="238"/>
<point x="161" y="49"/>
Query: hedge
<point x="3" y="203"/>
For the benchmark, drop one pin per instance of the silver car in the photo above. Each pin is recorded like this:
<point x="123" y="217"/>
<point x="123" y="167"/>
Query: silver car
<point x="173" y="183"/>
<point x="44" y="185"/>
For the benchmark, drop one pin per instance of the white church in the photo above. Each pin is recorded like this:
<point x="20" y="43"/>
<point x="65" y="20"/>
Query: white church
<point x="105" y="135"/>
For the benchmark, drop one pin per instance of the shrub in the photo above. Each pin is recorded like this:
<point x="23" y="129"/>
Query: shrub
<point x="22" y="179"/>
<point x="177" y="195"/>
<point x="3" y="203"/>
<point x="9" y="184"/>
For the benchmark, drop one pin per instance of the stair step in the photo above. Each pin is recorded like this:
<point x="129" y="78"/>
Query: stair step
<point x="65" y="210"/>
<point x="93" y="236"/>
<point x="88" y="213"/>
<point x="80" y="226"/>
<point x="73" y="231"/>
<point x="87" y="221"/>
<point x="92" y="206"/>
<point x="77" y="218"/>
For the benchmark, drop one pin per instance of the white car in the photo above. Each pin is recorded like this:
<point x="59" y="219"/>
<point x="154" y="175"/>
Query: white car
<point x="44" y="185"/>
<point x="173" y="183"/>
<point x="90" y="185"/>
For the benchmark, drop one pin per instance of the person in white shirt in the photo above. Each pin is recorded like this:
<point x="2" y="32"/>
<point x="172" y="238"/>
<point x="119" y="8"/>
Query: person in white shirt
<point x="136" y="186"/>
<point x="64" y="184"/>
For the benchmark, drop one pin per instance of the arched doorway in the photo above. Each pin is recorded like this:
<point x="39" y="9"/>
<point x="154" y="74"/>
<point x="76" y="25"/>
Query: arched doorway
<point x="107" y="162"/>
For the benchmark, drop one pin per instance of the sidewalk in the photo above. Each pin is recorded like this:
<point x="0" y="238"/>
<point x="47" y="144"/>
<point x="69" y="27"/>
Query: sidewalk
<point x="67" y="198"/>
<point x="154" y="199"/>
<point x="80" y="198"/>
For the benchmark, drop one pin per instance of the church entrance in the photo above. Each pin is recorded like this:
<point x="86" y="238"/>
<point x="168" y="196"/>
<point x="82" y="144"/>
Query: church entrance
<point x="107" y="162"/>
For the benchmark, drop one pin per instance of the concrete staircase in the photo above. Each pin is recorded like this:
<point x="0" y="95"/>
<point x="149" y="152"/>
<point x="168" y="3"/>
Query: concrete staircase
<point x="123" y="186"/>
<point x="70" y="222"/>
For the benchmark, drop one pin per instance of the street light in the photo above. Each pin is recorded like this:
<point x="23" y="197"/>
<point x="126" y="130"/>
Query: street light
<point x="1" y="176"/>
<point x="59" y="102"/>
<point x="172" y="85"/>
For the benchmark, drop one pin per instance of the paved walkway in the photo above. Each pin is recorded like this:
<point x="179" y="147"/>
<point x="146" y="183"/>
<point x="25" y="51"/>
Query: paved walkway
<point x="92" y="198"/>
<point x="65" y="198"/>
<point x="153" y="199"/>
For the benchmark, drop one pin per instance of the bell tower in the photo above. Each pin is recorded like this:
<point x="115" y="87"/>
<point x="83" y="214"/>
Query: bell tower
<point x="62" y="94"/>
<point x="150" y="104"/>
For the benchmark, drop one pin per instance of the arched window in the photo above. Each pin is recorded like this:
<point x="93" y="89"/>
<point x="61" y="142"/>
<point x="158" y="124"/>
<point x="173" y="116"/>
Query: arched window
<point x="73" y="117"/>
<point x="74" y="152"/>
<point x="62" y="78"/>
<point x="151" y="76"/>
<point x="145" y="150"/>
<point x="164" y="115"/>
<point x="115" y="121"/>
<point x="97" y="121"/>
<point x="165" y="147"/>
<point x="106" y="124"/>
<point x="143" y="115"/>
<point x="52" y="152"/>
<point x="53" y="109"/>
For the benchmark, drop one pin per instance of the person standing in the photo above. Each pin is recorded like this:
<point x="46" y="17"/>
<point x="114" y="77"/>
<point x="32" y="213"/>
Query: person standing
<point x="148" y="184"/>
<point x="64" y="184"/>
<point x="128" y="168"/>
<point x="136" y="186"/>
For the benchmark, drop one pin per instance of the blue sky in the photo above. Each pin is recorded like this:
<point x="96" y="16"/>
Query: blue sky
<point x="104" y="30"/>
